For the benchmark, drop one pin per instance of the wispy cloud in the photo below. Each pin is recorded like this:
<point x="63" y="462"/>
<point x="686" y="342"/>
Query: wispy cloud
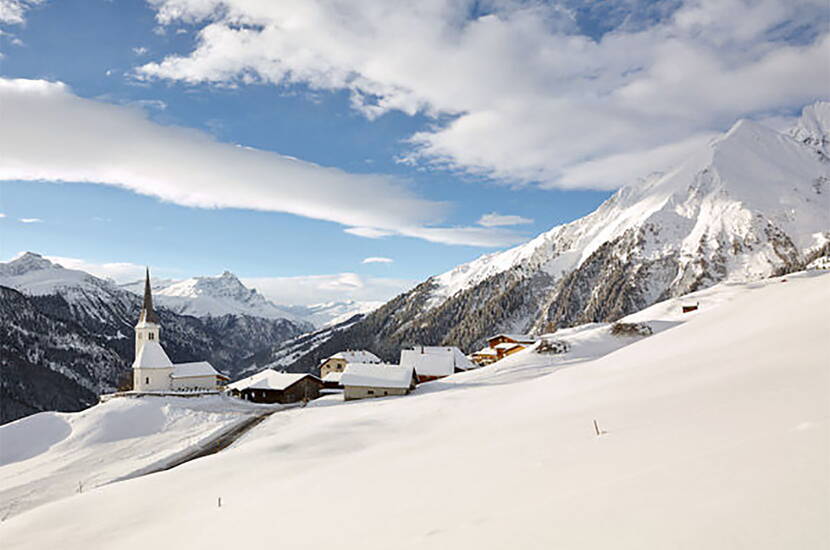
<point x="520" y="93"/>
<point x="494" y="220"/>
<point x="30" y="220"/>
<point x="140" y="51"/>
<point x="2" y="215"/>
<point x="377" y="260"/>
<point x="51" y="134"/>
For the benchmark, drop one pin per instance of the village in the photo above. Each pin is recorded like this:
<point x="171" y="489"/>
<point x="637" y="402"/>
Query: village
<point x="354" y="374"/>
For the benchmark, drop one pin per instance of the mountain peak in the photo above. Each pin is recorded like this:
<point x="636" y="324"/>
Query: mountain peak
<point x="29" y="261"/>
<point x="813" y="128"/>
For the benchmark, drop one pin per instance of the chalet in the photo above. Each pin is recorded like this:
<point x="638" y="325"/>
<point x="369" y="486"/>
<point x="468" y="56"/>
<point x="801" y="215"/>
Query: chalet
<point x="364" y="380"/>
<point x="504" y="338"/>
<point x="484" y="356"/>
<point x="152" y="369"/>
<point x="434" y="362"/>
<point x="338" y="361"/>
<point x="331" y="380"/>
<point x="270" y="386"/>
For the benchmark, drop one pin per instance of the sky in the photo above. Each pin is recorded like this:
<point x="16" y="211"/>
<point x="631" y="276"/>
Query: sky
<point x="349" y="149"/>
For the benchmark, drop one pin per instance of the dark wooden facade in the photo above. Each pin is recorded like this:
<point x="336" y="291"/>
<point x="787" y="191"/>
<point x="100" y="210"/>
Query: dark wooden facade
<point x="304" y="389"/>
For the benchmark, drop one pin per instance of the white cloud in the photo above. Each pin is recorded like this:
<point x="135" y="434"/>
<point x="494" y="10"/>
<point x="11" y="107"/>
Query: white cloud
<point x="51" y="134"/>
<point x="315" y="289"/>
<point x="30" y="220"/>
<point x="527" y="98"/>
<point x="377" y="260"/>
<point x="494" y="220"/>
<point x="140" y="51"/>
<point x="13" y="12"/>
<point x="2" y="215"/>
<point x="121" y="272"/>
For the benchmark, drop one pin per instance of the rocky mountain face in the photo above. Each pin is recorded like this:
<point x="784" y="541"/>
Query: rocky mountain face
<point x="754" y="203"/>
<point x="94" y="319"/>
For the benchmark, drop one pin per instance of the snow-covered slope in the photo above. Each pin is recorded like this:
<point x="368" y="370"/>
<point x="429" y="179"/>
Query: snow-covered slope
<point x="214" y="297"/>
<point x="49" y="456"/>
<point x="715" y="435"/>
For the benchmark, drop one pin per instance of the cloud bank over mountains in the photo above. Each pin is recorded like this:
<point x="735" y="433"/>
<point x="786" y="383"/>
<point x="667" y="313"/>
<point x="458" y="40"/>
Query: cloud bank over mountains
<point x="524" y="91"/>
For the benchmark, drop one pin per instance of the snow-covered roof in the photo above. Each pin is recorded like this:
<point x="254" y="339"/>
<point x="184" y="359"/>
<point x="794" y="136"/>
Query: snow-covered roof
<point x="152" y="356"/>
<point x="516" y="337"/>
<point x="376" y="375"/>
<point x="333" y="377"/>
<point x="198" y="368"/>
<point x="269" y="379"/>
<point x="435" y="360"/>
<point x="355" y="356"/>
<point x="509" y="345"/>
<point x="486" y="351"/>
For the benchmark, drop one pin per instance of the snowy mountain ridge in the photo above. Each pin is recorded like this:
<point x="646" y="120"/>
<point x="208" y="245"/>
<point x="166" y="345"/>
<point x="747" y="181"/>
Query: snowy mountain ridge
<point x="214" y="296"/>
<point x="716" y="198"/>
<point x="752" y="203"/>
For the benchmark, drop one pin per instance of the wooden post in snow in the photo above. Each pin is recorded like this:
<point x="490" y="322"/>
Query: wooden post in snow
<point x="596" y="428"/>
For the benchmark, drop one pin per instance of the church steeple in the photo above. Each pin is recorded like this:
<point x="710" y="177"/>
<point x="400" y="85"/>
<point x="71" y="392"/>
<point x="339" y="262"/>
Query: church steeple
<point x="148" y="328"/>
<point x="148" y="314"/>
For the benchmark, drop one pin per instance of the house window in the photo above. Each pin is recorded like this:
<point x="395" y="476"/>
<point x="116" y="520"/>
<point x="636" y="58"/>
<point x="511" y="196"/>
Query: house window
<point x="146" y="380"/>
<point x="371" y="392"/>
<point x="151" y="336"/>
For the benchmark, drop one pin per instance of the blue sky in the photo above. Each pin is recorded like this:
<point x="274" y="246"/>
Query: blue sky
<point x="431" y="118"/>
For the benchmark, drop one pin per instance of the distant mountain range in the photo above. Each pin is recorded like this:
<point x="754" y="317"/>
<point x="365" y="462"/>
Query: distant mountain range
<point x="226" y="294"/>
<point x="66" y="335"/>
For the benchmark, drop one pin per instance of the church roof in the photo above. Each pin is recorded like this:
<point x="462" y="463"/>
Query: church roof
<point x="148" y="314"/>
<point x="152" y="356"/>
<point x="198" y="368"/>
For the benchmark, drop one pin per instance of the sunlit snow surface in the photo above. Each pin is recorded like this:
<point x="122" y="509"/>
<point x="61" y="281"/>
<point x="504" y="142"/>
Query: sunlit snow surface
<point x="715" y="436"/>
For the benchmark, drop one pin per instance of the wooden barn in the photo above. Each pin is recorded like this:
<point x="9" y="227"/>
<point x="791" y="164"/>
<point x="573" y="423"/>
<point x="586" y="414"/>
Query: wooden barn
<point x="270" y="386"/>
<point x="337" y="362"/>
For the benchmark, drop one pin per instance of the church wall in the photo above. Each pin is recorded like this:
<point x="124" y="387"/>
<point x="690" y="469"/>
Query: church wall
<point x="159" y="379"/>
<point x="194" y="382"/>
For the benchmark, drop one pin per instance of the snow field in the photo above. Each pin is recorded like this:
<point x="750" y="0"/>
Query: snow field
<point x="49" y="456"/>
<point x="716" y="436"/>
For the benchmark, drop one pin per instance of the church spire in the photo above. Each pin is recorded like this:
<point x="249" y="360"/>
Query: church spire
<point x="148" y="314"/>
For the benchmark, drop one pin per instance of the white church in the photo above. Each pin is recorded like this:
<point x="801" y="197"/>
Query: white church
<point x="152" y="369"/>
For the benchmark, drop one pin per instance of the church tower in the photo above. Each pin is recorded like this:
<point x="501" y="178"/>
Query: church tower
<point x="147" y="329"/>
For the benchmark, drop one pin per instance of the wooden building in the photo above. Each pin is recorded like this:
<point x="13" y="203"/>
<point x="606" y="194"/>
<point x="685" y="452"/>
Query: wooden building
<point x="270" y="386"/>
<point x="362" y="380"/>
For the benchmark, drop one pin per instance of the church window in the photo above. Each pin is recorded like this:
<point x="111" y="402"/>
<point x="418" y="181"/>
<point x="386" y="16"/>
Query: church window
<point x="151" y="336"/>
<point x="147" y="380"/>
<point x="139" y="336"/>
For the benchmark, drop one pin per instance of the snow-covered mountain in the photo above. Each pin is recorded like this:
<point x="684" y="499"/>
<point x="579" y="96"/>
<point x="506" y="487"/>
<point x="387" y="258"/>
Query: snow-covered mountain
<point x="213" y="297"/>
<point x="332" y="313"/>
<point x="753" y="203"/>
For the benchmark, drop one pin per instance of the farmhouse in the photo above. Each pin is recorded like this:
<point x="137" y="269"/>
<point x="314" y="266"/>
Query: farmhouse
<point x="433" y="362"/>
<point x="338" y="361"/>
<point x="484" y="356"/>
<point x="363" y="380"/>
<point x="270" y="386"/>
<point x="152" y="368"/>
